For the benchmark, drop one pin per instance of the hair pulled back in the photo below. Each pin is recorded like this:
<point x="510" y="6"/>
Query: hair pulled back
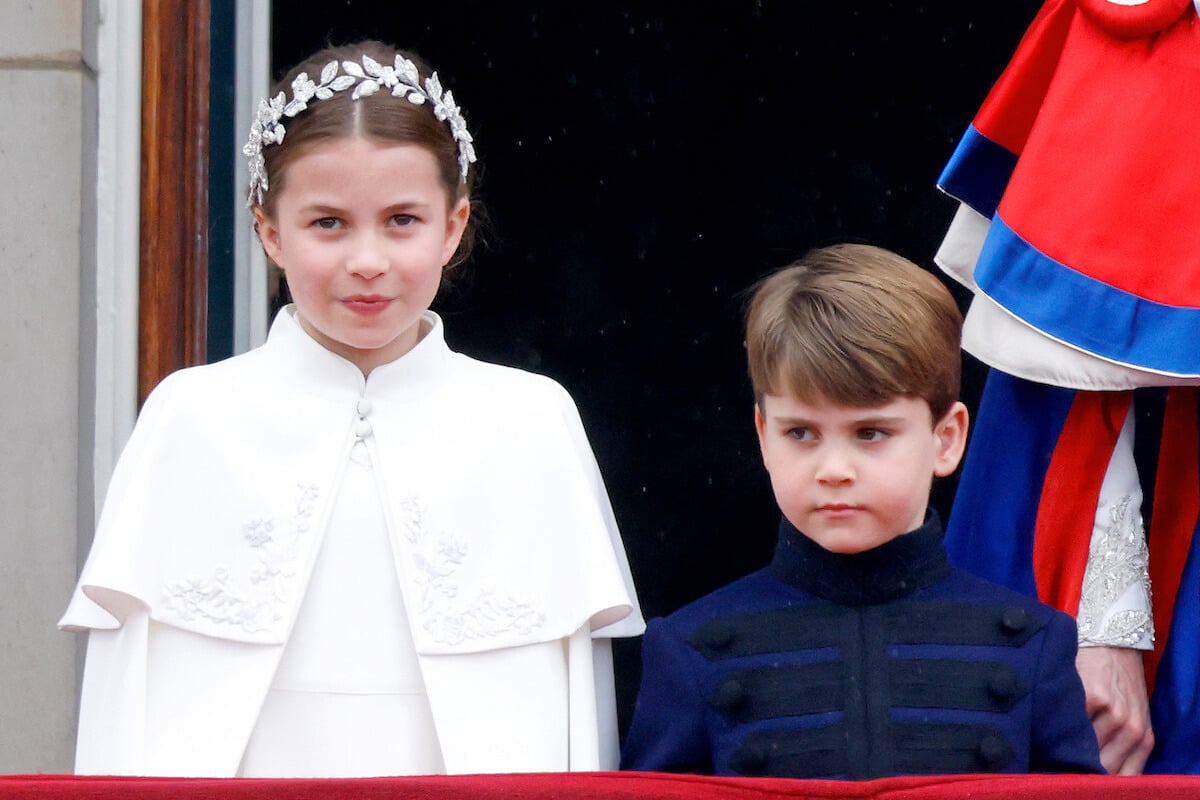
<point x="380" y="116"/>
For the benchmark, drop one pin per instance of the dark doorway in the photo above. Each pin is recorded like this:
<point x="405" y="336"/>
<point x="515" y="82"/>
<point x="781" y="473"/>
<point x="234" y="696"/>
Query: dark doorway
<point x="642" y="164"/>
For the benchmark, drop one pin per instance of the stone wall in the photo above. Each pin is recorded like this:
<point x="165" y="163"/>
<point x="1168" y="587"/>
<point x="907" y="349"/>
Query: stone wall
<point x="48" y="95"/>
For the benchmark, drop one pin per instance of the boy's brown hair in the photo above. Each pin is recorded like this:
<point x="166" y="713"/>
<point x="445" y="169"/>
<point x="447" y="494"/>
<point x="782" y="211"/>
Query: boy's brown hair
<point x="855" y="325"/>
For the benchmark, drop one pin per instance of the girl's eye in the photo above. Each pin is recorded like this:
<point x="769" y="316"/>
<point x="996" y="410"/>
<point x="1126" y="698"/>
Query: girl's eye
<point x="327" y="223"/>
<point x="402" y="220"/>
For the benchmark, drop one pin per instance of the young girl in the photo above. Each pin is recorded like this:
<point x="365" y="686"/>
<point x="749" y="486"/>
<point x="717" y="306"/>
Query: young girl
<point x="354" y="551"/>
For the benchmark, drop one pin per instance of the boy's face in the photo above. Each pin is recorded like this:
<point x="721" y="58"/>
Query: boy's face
<point x="854" y="478"/>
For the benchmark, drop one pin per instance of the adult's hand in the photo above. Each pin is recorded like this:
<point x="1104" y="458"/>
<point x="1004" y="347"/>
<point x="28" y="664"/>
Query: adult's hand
<point x="1115" y="684"/>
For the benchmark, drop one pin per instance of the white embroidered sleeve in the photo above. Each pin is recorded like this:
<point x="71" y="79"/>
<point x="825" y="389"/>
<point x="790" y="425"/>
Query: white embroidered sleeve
<point x="1114" y="605"/>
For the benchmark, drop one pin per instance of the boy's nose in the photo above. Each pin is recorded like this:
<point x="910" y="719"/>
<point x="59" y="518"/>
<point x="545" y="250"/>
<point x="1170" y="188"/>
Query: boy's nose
<point x="835" y="468"/>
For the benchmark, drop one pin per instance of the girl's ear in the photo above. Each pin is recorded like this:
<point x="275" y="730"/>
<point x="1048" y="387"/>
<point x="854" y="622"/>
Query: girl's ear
<point x="950" y="440"/>
<point x="268" y="235"/>
<point x="456" y="225"/>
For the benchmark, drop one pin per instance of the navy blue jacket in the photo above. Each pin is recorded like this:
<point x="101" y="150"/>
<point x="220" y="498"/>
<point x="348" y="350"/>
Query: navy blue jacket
<point x="888" y="662"/>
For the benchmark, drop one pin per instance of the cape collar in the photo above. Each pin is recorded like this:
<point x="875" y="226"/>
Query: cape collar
<point x="315" y="369"/>
<point x="893" y="570"/>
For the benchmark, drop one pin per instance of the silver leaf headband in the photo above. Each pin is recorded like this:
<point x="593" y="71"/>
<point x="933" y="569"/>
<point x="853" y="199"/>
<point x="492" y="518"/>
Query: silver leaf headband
<point x="402" y="78"/>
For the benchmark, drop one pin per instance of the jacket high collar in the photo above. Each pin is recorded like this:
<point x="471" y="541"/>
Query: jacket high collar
<point x="893" y="570"/>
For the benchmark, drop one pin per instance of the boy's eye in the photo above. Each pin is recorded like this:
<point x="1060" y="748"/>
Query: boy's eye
<point x="800" y="434"/>
<point x="872" y="434"/>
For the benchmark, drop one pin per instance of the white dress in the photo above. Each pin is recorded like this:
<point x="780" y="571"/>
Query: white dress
<point x="225" y="517"/>
<point x="348" y="699"/>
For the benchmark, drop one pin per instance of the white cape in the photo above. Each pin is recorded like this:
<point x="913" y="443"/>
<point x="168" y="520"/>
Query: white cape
<point x="506" y="549"/>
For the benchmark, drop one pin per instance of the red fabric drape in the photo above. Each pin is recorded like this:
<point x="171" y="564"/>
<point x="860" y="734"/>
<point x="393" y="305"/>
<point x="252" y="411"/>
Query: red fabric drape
<point x="1067" y="509"/>
<point x="1176" y="506"/>
<point x="603" y="786"/>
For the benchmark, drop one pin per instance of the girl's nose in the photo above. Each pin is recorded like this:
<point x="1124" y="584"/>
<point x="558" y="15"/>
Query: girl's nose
<point x="369" y="258"/>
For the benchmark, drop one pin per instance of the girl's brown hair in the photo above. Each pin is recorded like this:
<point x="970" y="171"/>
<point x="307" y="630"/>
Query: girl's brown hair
<point x="378" y="116"/>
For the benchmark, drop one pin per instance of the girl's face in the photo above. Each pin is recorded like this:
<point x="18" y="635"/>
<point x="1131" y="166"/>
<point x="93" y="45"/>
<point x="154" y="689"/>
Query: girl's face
<point x="362" y="230"/>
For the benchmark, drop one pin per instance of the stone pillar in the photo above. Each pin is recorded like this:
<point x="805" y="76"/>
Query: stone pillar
<point x="46" y="132"/>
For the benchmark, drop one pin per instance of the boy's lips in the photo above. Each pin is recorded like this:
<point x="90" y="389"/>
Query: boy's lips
<point x="838" y="508"/>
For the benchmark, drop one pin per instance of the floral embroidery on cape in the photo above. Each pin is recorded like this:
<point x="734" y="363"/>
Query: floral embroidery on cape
<point x="259" y="601"/>
<point x="434" y="558"/>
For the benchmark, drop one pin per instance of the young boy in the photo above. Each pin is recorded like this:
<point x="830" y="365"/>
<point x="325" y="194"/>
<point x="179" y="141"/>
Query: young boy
<point x="859" y="652"/>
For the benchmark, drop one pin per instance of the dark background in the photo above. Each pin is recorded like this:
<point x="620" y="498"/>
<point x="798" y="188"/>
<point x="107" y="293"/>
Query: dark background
<point x="642" y="164"/>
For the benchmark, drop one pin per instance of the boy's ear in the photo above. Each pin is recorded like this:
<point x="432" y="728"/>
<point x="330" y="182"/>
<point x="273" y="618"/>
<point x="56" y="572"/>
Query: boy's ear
<point x="950" y="435"/>
<point x="760" y="428"/>
<point x="268" y="234"/>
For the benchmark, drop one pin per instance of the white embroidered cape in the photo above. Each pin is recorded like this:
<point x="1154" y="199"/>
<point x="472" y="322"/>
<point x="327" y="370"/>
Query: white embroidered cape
<point x="501" y="528"/>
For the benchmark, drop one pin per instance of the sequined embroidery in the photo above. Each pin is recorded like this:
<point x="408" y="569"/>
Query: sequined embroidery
<point x="1118" y="560"/>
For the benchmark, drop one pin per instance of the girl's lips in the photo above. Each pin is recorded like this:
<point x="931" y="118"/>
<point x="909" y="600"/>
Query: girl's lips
<point x="366" y="304"/>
